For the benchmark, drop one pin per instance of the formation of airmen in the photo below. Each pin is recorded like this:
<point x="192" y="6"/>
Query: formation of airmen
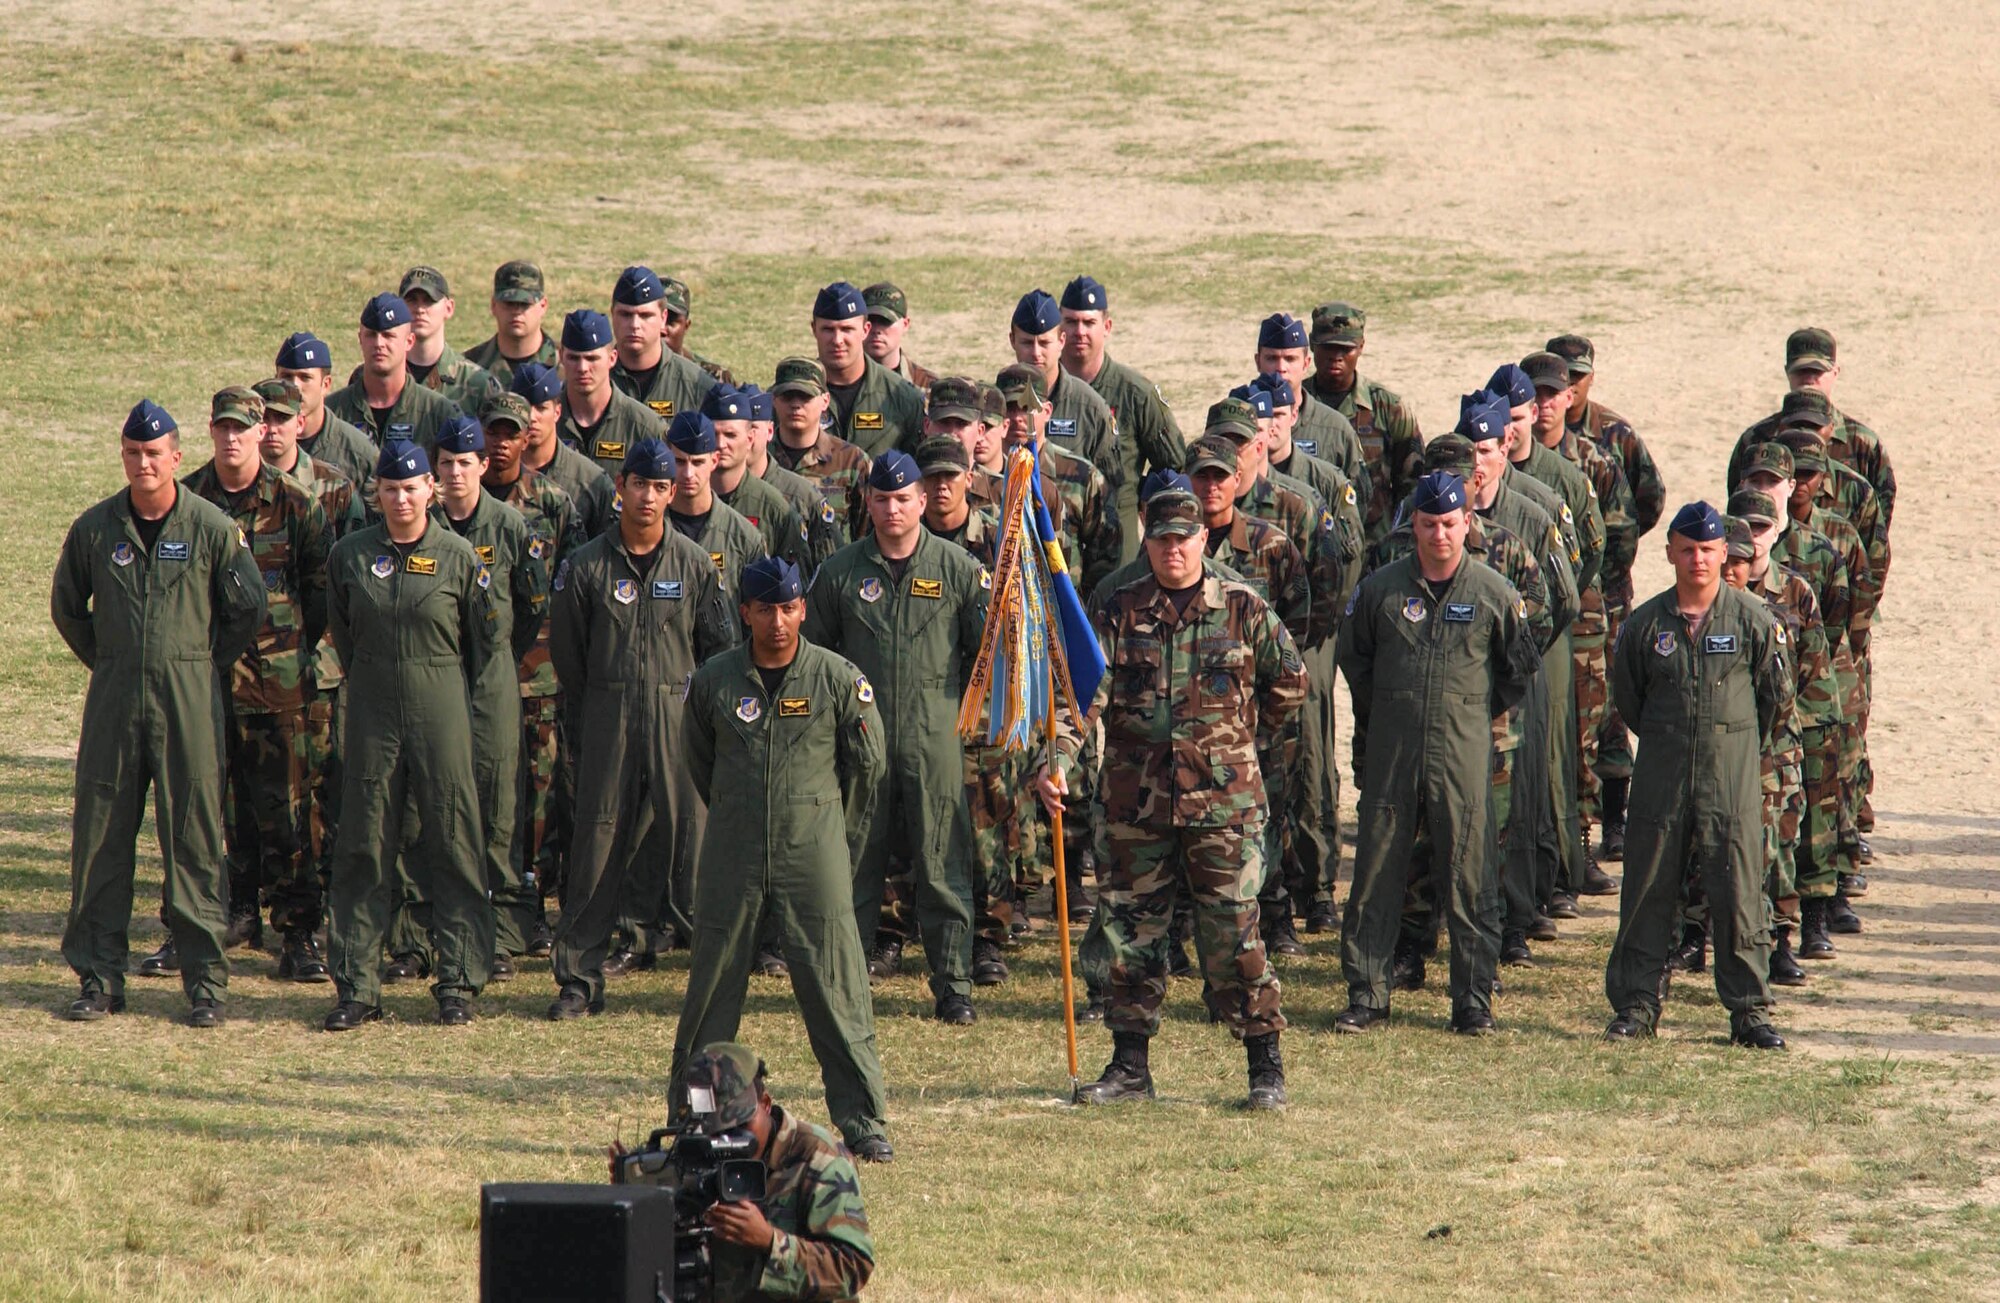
<point x="571" y="646"/>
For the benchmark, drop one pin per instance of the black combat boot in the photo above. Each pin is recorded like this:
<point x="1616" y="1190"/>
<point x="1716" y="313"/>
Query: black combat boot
<point x="1406" y="967"/>
<point x="1691" y="955"/>
<point x="1785" y="970"/>
<point x="1840" y="916"/>
<point x="1267" y="1072"/>
<point x="1612" y="792"/>
<point x="988" y="968"/>
<point x="1127" y="1076"/>
<point x="886" y="962"/>
<point x="1813" y="941"/>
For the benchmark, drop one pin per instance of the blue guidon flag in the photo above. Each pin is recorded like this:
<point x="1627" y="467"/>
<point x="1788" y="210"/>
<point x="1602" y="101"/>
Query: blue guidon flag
<point x="1038" y="646"/>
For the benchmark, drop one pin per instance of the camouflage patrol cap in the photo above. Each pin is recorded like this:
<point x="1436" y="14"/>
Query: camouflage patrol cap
<point x="1576" y="350"/>
<point x="1809" y="349"/>
<point x="238" y="403"/>
<point x="1449" y="452"/>
<point x="1173" y="514"/>
<point x="799" y="375"/>
<point x="1808" y="453"/>
<point x="954" y="398"/>
<point x="992" y="405"/>
<point x="281" y="397"/>
<point x="942" y="455"/>
<point x="428" y="281"/>
<point x="1805" y="409"/>
<point x="1338" y="323"/>
<point x="1213" y="451"/>
<point x="731" y="1074"/>
<point x="518" y="282"/>
<point x="1754" y="506"/>
<point x="1768" y="458"/>
<point x="885" y="301"/>
<point x="679" y="300"/>
<point x="506" y="409"/>
<point x="1742" y="544"/>
<point x="1232" y="417"/>
<point x="1017" y="382"/>
<point x="1547" y="370"/>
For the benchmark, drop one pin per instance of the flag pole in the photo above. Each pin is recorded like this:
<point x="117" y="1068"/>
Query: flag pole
<point x="1062" y="890"/>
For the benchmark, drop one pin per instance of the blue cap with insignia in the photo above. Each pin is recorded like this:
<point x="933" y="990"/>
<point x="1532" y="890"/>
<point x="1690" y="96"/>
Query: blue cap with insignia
<point x="304" y="351"/>
<point x="1036" y="313"/>
<point x="637" y="285"/>
<point x="384" y="312"/>
<point x="725" y="402"/>
<point x="586" y="329"/>
<point x="1698" y="521"/>
<point x="1165" y="480"/>
<point x="1085" y="295"/>
<point x="691" y="432"/>
<point x="1512" y="383"/>
<point x="1277" y="386"/>
<point x="537" y="382"/>
<point x="894" y="470"/>
<point x="1281" y="330"/>
<point x="401" y="460"/>
<point x="770" y="579"/>
<point x="1481" y="416"/>
<point x="761" y="407"/>
<point x="1437" y="493"/>
<point x="649" y="459"/>
<point x="839" y="302"/>
<point x="148" y="421"/>
<point x="460" y="433"/>
<point x="1259" y="399"/>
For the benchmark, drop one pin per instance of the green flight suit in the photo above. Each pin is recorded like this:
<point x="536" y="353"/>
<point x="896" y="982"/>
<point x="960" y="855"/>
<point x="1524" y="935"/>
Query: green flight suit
<point x="887" y="412"/>
<point x="624" y="423"/>
<point x="486" y="353"/>
<point x="1429" y="666"/>
<point x="916" y="637"/>
<point x="1322" y="432"/>
<point x="625" y="634"/>
<point x="417" y="414"/>
<point x="1081" y="423"/>
<point x="1391" y="444"/>
<point x="676" y="385"/>
<point x="825" y="534"/>
<point x="415" y="628"/>
<point x="1148" y="438"/>
<point x="765" y="507"/>
<point x="1704" y="703"/>
<point x="157" y="630"/>
<point x="345" y="448"/>
<point x="591" y="489"/>
<point x="792" y="773"/>
<point x="455" y="376"/>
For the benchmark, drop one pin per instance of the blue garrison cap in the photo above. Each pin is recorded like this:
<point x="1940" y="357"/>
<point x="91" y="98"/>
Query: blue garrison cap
<point x="304" y="351"/>
<point x="1257" y="398"/>
<point x="1085" y="295"/>
<point x="1165" y="480"/>
<point x="537" y="382"/>
<point x="1481" y="415"/>
<point x="1277" y="386"/>
<point x="586" y="329"/>
<point x="1511" y="383"/>
<point x="1437" y="493"/>
<point x="148" y="421"/>
<point x="771" y="579"/>
<point x="1698" y="521"/>
<point x="760" y="403"/>
<point x="1281" y="330"/>
<point x="894" y="470"/>
<point x="839" y="302"/>
<point x="637" y="285"/>
<point x="384" y="312"/>
<point x="649" y="459"/>
<point x="1036" y="313"/>
<point x="691" y="432"/>
<point x="460" y="433"/>
<point x="725" y="402"/>
<point x="401" y="460"/>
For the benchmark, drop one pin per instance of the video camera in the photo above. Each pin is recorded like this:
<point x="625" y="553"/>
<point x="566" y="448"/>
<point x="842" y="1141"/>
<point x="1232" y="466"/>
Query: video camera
<point x="700" y="1165"/>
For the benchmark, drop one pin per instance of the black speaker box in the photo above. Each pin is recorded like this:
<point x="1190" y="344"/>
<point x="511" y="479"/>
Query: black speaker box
<point x="575" y="1243"/>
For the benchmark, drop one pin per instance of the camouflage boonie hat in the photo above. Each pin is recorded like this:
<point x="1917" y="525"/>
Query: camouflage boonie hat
<point x="238" y="403"/>
<point x="1770" y="457"/>
<point x="992" y="405"/>
<point x="1017" y="382"/>
<point x="1808" y="453"/>
<point x="1449" y="452"/>
<point x="1213" y="450"/>
<point x="1753" y="505"/>
<point x="518" y="282"/>
<point x="799" y="375"/>
<point x="1805" y="409"/>
<point x="506" y="408"/>
<point x="942" y="455"/>
<point x="730" y="1072"/>
<point x="1338" y="323"/>
<point x="1575" y="350"/>
<point x="1232" y="417"/>
<point x="679" y="300"/>
<point x="1742" y="545"/>
<point x="1547" y="370"/>
<point x="953" y="396"/>
<point x="428" y="280"/>
<point x="280" y="397"/>
<point x="1173" y="514"/>
<point x="1809" y="349"/>
<point x="886" y="301"/>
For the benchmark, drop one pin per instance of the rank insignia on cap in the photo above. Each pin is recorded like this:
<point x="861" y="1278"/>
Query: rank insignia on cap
<point x="864" y="690"/>
<point x="625" y="591"/>
<point x="794" y="707"/>
<point x="661" y="406"/>
<point x="870" y="590"/>
<point x="535" y="548"/>
<point x="171" y="550"/>
<point x="868" y="420"/>
<point x="562" y="575"/>
<point x="1719" y="644"/>
<point x="485" y="551"/>
<point x="384" y="567"/>
<point x="749" y="709"/>
<point x="1663" y="642"/>
<point x="121" y="554"/>
<point x="667" y="590"/>
<point x="421" y="565"/>
<point x="609" y="450"/>
<point x="485" y="577"/>
<point x="717" y="558"/>
<point x="927" y="588"/>
<point x="1414" y="610"/>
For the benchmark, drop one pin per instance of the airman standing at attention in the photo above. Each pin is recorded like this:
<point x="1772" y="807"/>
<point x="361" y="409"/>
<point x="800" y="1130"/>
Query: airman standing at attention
<point x="1080" y="422"/>
<point x="1391" y="443"/>
<point x="888" y="323"/>
<point x="383" y="402"/>
<point x="646" y="369"/>
<point x="807" y="446"/>
<point x="596" y="419"/>
<point x="680" y="316"/>
<point x="784" y="533"/>
<point x="433" y="363"/>
<point x="870" y="406"/>
<point x="1317" y="430"/>
<point x="519" y="304"/>
<point x="306" y="361"/>
<point x="825" y="534"/>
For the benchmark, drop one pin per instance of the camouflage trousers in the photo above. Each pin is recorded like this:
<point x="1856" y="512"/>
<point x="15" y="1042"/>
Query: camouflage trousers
<point x="1219" y="869"/>
<point x="1563" y="866"/>
<point x="1593" y="702"/>
<point x="1817" y="859"/>
<point x="1614" y="740"/>
<point x="268" y="829"/>
<point x="1007" y="837"/>
<point x="324" y="717"/>
<point x="1784" y="822"/>
<point x="1864" y="814"/>
<point x="537" y="794"/>
<point x="1853" y="762"/>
